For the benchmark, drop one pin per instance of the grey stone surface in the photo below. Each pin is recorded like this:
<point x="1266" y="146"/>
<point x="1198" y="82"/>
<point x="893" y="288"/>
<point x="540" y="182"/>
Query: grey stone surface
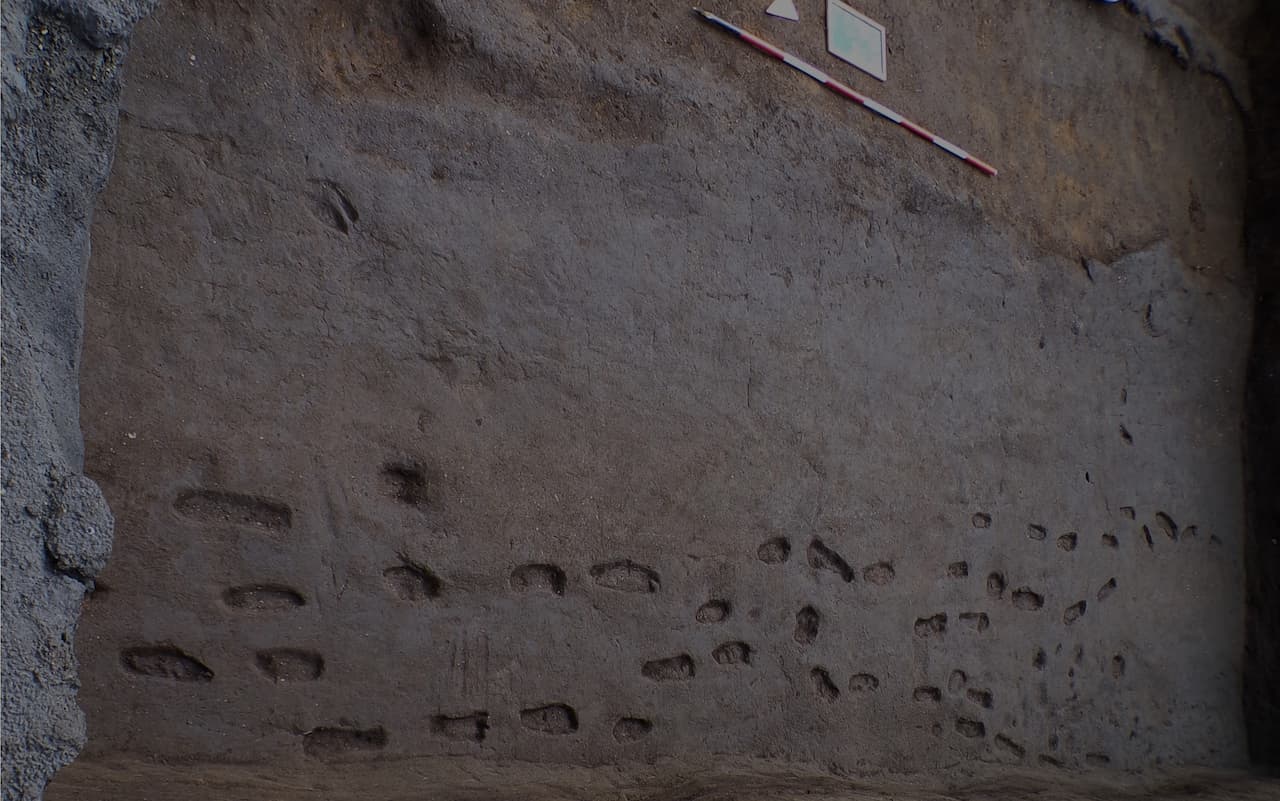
<point x="570" y="383"/>
<point x="60" y="79"/>
<point x="78" y="528"/>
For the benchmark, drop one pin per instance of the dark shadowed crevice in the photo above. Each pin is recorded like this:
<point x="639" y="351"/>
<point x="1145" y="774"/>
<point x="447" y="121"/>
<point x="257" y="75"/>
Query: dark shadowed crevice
<point x="1262" y="425"/>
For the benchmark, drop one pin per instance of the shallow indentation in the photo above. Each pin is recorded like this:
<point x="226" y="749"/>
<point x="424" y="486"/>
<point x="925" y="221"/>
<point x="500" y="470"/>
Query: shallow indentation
<point x="290" y="664"/>
<point x="807" y="622"/>
<point x="732" y="653"/>
<point x="713" y="611"/>
<point x="544" y="578"/>
<point x="471" y="727"/>
<point x="933" y="626"/>
<point x="165" y="662"/>
<point x="1036" y="531"/>
<point x="982" y="698"/>
<point x="628" y="730"/>
<point x="1106" y="589"/>
<point x="1110" y="541"/>
<point x="822" y="684"/>
<point x="1166" y="524"/>
<point x="979" y="621"/>
<point x="1006" y="744"/>
<point x="970" y="728"/>
<point x="623" y="575"/>
<point x="407" y="482"/>
<point x="981" y="520"/>
<point x="219" y="507"/>
<point x="673" y="668"/>
<point x="1027" y="600"/>
<point x="1074" y="612"/>
<point x="823" y="558"/>
<point x="262" y="598"/>
<point x="958" y="569"/>
<point x="550" y="719"/>
<point x="412" y="582"/>
<point x="1067" y="542"/>
<point x="863" y="683"/>
<point x="880" y="574"/>
<point x="774" y="551"/>
<point x="926" y="694"/>
<point x="995" y="585"/>
<point x="338" y="742"/>
<point x="332" y="205"/>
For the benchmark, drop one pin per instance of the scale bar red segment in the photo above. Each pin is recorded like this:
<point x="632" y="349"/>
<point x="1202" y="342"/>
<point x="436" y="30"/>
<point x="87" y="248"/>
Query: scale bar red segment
<point x="844" y="91"/>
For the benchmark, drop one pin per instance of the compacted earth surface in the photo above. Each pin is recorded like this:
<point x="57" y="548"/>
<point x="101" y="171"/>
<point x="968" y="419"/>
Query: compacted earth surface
<point x="565" y="399"/>
<point x="724" y="779"/>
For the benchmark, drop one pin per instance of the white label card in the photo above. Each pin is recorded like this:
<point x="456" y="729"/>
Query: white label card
<point x="857" y="39"/>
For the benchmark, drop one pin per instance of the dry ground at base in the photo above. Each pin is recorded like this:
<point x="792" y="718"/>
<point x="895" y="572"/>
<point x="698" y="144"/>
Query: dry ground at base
<point x="737" y="780"/>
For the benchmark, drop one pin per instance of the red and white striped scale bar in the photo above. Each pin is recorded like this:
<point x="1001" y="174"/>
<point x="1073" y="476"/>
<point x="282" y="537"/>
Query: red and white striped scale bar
<point x="844" y="91"/>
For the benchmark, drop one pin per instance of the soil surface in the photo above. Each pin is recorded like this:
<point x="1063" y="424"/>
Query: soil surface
<point x="728" y="779"/>
<point x="567" y="382"/>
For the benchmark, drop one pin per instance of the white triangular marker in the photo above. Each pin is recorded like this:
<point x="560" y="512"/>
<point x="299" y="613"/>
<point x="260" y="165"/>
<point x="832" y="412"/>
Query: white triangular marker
<point x="783" y="8"/>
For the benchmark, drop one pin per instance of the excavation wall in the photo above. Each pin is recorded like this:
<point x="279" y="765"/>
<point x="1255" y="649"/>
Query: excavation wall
<point x="569" y="382"/>
<point x="573" y="383"/>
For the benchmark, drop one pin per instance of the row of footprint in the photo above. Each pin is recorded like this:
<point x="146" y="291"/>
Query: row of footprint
<point x="331" y="742"/>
